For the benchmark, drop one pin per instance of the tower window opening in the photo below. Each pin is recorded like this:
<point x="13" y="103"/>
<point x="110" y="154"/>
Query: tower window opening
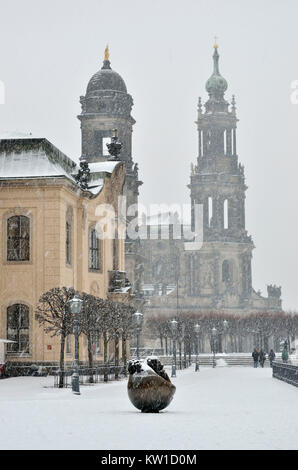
<point x="210" y="211"/>
<point x="105" y="141"/>
<point x="226" y="214"/>
<point x="225" y="142"/>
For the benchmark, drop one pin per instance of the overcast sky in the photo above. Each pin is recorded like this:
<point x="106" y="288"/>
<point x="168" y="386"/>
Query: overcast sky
<point x="163" y="50"/>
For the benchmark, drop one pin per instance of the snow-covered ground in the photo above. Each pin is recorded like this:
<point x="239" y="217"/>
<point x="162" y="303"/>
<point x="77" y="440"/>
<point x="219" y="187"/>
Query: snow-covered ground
<point x="221" y="408"/>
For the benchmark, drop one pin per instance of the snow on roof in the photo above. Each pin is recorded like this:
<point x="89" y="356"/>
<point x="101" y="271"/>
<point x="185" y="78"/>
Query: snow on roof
<point x="33" y="158"/>
<point x="18" y="135"/>
<point x="99" y="182"/>
<point x="103" y="167"/>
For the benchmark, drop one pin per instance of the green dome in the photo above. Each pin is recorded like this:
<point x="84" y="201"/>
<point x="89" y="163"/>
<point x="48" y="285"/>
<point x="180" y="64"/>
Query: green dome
<point x="216" y="84"/>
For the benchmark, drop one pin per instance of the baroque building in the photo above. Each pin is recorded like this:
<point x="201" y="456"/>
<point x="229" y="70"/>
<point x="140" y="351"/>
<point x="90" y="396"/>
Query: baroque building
<point x="218" y="276"/>
<point x="48" y="239"/>
<point x="49" y="216"/>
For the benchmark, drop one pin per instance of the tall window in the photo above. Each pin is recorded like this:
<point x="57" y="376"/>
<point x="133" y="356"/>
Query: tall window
<point x="115" y="252"/>
<point x="96" y="342"/>
<point x="68" y="235"/>
<point x="68" y="242"/>
<point x="18" y="238"/>
<point x="95" y="250"/>
<point x="18" y="328"/>
<point x="105" y="141"/>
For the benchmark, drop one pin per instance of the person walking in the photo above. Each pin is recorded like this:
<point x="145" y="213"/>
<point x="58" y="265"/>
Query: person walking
<point x="255" y="356"/>
<point x="285" y="355"/>
<point x="271" y="356"/>
<point x="262" y="358"/>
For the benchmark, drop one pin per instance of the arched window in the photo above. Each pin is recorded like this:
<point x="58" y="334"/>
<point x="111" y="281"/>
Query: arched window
<point x="227" y="273"/>
<point x="18" y="238"/>
<point x="95" y="250"/>
<point x="18" y="328"/>
<point x="95" y="342"/>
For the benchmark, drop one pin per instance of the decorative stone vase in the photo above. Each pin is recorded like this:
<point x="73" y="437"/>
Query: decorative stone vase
<point x="149" y="386"/>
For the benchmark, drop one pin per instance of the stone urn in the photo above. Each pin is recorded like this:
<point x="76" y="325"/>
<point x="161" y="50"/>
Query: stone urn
<point x="149" y="386"/>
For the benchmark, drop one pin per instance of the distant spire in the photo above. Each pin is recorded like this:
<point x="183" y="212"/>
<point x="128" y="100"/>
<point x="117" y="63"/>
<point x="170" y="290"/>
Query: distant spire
<point x="215" y="61"/>
<point x="215" y="42"/>
<point x="200" y="105"/>
<point x="106" y="62"/>
<point x="233" y="103"/>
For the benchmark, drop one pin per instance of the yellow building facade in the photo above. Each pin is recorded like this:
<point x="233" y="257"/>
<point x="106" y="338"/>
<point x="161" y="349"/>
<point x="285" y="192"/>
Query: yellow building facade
<point x="47" y="227"/>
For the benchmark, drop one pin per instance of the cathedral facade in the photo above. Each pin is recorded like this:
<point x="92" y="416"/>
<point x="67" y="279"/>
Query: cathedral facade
<point x="218" y="276"/>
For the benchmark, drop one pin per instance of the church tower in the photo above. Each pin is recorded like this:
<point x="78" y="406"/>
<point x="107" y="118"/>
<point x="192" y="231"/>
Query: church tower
<point x="106" y="110"/>
<point x="221" y="270"/>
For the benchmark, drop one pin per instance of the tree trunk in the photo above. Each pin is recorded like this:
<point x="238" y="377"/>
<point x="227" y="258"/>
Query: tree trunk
<point x="105" y="357"/>
<point x="61" y="376"/>
<point x="124" y="355"/>
<point x="116" y="357"/>
<point x="161" y="342"/>
<point x="90" y="357"/>
<point x="180" y="354"/>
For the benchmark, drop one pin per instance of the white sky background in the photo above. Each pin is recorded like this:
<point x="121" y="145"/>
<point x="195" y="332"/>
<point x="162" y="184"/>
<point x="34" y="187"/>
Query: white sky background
<point x="163" y="50"/>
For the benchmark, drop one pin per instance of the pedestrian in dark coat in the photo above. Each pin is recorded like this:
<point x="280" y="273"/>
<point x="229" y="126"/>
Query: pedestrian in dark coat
<point x="285" y="355"/>
<point x="262" y="358"/>
<point x="271" y="356"/>
<point x="255" y="356"/>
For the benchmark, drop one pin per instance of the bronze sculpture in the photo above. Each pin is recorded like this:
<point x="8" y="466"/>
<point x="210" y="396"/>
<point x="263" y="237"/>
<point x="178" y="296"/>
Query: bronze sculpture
<point x="149" y="386"/>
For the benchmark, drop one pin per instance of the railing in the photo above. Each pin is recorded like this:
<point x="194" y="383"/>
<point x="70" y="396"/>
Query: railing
<point x="89" y="376"/>
<point x="286" y="372"/>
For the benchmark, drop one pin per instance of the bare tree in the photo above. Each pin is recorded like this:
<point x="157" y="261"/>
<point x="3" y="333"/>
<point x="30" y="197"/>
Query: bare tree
<point x="54" y="315"/>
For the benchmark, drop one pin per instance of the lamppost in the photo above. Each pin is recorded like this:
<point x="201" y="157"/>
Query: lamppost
<point x="225" y="325"/>
<point x="174" y="325"/>
<point x="184" y="348"/>
<point x="214" y="333"/>
<point x="197" y="332"/>
<point x="139" y="320"/>
<point x="75" y="308"/>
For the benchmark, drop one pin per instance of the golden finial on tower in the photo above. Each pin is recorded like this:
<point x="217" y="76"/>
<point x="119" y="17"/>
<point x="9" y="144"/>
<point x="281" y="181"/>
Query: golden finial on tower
<point x="215" y="42"/>
<point x="107" y="53"/>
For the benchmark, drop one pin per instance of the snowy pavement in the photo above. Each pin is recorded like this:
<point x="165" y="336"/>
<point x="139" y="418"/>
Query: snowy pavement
<point x="221" y="408"/>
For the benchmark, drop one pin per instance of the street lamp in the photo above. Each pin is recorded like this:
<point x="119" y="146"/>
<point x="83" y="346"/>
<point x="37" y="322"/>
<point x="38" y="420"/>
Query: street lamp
<point x="225" y="325"/>
<point x="75" y="308"/>
<point x="139" y="320"/>
<point x="174" y="325"/>
<point x="214" y="333"/>
<point x="184" y="348"/>
<point x="197" y="332"/>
